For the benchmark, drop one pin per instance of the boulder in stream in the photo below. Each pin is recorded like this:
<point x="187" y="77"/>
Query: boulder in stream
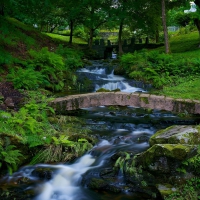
<point x="178" y="134"/>
<point x="165" y="158"/>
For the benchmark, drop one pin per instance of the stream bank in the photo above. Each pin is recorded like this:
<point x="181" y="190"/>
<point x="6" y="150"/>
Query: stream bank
<point x="115" y="167"/>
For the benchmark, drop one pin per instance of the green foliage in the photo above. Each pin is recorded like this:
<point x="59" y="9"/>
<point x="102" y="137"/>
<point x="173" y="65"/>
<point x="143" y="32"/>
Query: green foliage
<point x="192" y="163"/>
<point x="51" y="66"/>
<point x="72" y="58"/>
<point x="9" y="157"/>
<point x="29" y="124"/>
<point x="62" y="150"/>
<point x="5" y="58"/>
<point x="25" y="78"/>
<point x="81" y="33"/>
<point x="157" y="68"/>
<point x="46" y="69"/>
<point x="54" y="138"/>
<point x="126" y="164"/>
<point x="188" y="191"/>
<point x="191" y="188"/>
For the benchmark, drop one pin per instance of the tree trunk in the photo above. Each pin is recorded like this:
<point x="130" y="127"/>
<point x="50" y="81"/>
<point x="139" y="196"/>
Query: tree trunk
<point x="167" y="48"/>
<point x="91" y="38"/>
<point x="157" y="36"/>
<point x="197" y="23"/>
<point x="52" y="28"/>
<point x="41" y="27"/>
<point x="120" y="38"/>
<point x="71" y="31"/>
<point x="2" y="9"/>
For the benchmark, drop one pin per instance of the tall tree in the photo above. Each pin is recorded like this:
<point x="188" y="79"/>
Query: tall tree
<point x="122" y="11"/>
<point x="197" y="16"/>
<point x="167" y="47"/>
<point x="95" y="15"/>
<point x="166" y="5"/>
<point x="73" y="14"/>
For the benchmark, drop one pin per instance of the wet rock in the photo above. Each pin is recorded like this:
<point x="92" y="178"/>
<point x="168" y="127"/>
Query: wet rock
<point x="113" y="188"/>
<point x="112" y="113"/>
<point x="119" y="70"/>
<point x="176" y="134"/>
<point x="97" y="183"/>
<point x="9" y="97"/>
<point x="118" y="140"/>
<point x="106" y="172"/>
<point x="16" y="194"/>
<point x="165" y="158"/>
<point x="9" y="102"/>
<point x="43" y="173"/>
<point x="166" y="189"/>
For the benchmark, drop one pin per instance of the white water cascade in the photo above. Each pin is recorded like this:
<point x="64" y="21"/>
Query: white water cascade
<point x="109" y="81"/>
<point x="64" y="185"/>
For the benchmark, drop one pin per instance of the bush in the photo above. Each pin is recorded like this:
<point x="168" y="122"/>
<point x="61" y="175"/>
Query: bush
<point x="81" y="33"/>
<point x="72" y="58"/>
<point x="26" y="78"/>
<point x="157" y="68"/>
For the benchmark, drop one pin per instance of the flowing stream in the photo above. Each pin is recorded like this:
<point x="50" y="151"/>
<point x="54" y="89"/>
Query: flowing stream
<point x="118" y="129"/>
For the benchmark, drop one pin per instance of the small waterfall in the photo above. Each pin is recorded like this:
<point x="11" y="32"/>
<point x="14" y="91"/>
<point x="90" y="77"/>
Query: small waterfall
<point x="121" y="85"/>
<point x="64" y="185"/>
<point x="103" y="77"/>
<point x="96" y="70"/>
<point x="111" y="86"/>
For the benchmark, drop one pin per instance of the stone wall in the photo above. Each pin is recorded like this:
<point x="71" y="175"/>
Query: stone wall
<point x="74" y="102"/>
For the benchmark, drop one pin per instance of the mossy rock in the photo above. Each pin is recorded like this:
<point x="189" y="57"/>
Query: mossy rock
<point x="165" y="158"/>
<point x="43" y="173"/>
<point x="102" y="90"/>
<point x="97" y="184"/>
<point x="165" y="189"/>
<point x="178" y="134"/>
<point x="105" y="90"/>
<point x="119" y="71"/>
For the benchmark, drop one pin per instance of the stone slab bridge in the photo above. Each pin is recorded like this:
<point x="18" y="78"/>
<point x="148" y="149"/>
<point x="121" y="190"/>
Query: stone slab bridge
<point x="74" y="102"/>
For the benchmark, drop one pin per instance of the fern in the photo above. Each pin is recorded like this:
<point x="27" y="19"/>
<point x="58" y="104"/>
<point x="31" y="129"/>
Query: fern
<point x="10" y="157"/>
<point x="25" y="78"/>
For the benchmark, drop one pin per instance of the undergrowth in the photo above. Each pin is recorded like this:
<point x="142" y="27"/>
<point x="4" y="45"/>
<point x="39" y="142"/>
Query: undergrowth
<point x="48" y="138"/>
<point x="159" y="69"/>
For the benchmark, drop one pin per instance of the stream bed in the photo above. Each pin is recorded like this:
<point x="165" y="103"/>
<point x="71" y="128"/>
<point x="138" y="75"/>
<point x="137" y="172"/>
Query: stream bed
<point x="118" y="129"/>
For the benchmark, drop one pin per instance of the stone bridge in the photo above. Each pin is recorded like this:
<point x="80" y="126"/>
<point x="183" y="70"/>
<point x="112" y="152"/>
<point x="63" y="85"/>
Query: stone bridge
<point x="74" y="102"/>
<point x="104" y="49"/>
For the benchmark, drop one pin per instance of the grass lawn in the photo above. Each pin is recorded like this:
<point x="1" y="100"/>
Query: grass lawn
<point x="190" y="89"/>
<point x="182" y="47"/>
<point x="66" y="38"/>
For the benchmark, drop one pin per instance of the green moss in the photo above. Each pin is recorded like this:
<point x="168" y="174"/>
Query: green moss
<point x="75" y="104"/>
<point x="165" y="189"/>
<point x="102" y="90"/>
<point x="176" y="151"/>
<point x="153" y="140"/>
<point x="144" y="99"/>
<point x="128" y="96"/>
<point x="176" y="134"/>
<point x="184" y="106"/>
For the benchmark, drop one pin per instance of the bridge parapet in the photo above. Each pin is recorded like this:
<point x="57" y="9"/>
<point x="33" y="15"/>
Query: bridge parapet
<point x="74" y="102"/>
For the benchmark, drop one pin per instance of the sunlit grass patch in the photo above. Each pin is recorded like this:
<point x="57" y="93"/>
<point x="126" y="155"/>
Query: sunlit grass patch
<point x="190" y="89"/>
<point x="183" y="43"/>
<point x="66" y="38"/>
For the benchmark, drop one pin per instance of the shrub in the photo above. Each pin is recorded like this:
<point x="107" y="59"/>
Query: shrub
<point x="72" y="58"/>
<point x="26" y="78"/>
<point x="159" y="69"/>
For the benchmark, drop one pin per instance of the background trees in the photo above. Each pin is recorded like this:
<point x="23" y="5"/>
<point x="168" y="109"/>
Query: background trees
<point x="134" y="15"/>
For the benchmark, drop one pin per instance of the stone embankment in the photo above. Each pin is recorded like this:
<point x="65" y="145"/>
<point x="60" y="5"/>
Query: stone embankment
<point x="74" y="102"/>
